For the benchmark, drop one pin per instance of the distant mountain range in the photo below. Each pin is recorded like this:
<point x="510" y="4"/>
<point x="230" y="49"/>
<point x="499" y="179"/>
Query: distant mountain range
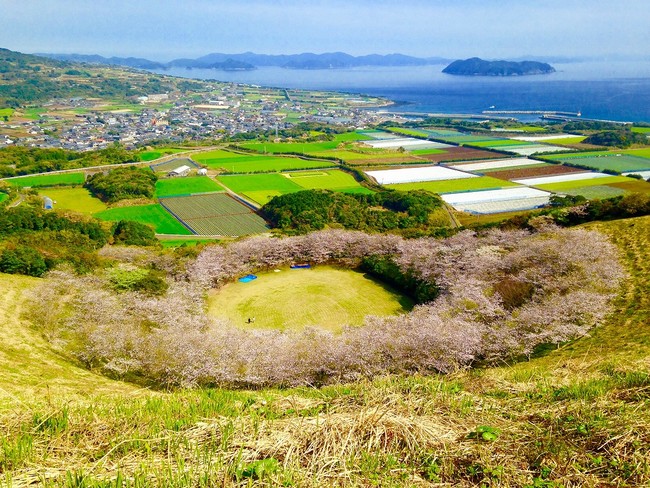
<point x="480" y="67"/>
<point x="250" y="61"/>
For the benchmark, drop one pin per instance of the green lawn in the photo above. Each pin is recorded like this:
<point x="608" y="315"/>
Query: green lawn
<point x="6" y="112"/>
<point x="48" y="180"/>
<point x="569" y="185"/>
<point x="453" y="186"/>
<point x="3" y="197"/>
<point x="156" y="216"/>
<point x="185" y="186"/>
<point x="292" y="299"/>
<point x="77" y="199"/>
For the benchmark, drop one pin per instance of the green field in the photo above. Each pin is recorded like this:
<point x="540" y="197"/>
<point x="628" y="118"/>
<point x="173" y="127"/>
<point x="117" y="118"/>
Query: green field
<point x="3" y="197"/>
<point x="421" y="152"/>
<point x="294" y="298"/>
<point x="77" y="199"/>
<point x="249" y="163"/>
<point x="158" y="153"/>
<point x="596" y="191"/>
<point x="565" y="141"/>
<point x="153" y="215"/>
<point x="453" y="186"/>
<point x="6" y="112"/>
<point x="58" y="179"/>
<point x="641" y="130"/>
<point x="185" y="186"/>
<point x="576" y="184"/>
<point x="265" y="182"/>
<point x="620" y="161"/>
<point x="326" y="180"/>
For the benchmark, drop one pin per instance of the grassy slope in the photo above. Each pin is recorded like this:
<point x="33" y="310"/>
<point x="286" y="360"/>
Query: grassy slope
<point x="577" y="416"/>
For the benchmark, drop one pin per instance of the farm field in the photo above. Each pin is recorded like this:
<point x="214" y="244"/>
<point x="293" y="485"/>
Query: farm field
<point x="620" y="161"/>
<point x="294" y="298"/>
<point x="243" y="163"/>
<point x="406" y="143"/>
<point x="185" y="186"/>
<point x="596" y="191"/>
<point x="303" y="147"/>
<point x="542" y="180"/>
<point x="3" y="197"/>
<point x="535" y="149"/>
<point x="153" y="215"/>
<point x="533" y="171"/>
<point x="215" y="214"/>
<point x="264" y="182"/>
<point x="159" y="152"/>
<point x="456" y="153"/>
<point x="326" y="180"/>
<point x="643" y="174"/>
<point x="496" y="143"/>
<point x="412" y="175"/>
<point x="76" y="198"/>
<point x="641" y="130"/>
<point x="58" y="179"/>
<point x="453" y="186"/>
<point x="569" y="185"/>
<point x="495" y="164"/>
<point x="497" y="201"/>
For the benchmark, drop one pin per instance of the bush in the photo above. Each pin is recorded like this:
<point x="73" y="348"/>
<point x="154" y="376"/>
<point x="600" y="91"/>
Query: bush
<point x="132" y="233"/>
<point x="22" y="260"/>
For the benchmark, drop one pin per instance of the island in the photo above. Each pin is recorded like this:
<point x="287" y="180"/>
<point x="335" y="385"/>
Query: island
<point x="481" y="67"/>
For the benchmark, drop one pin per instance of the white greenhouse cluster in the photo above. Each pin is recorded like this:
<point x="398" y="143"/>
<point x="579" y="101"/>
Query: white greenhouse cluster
<point x="413" y="175"/>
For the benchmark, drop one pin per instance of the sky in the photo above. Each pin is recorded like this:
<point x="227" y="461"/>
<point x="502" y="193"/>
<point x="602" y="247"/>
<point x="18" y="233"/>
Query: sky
<point x="163" y="30"/>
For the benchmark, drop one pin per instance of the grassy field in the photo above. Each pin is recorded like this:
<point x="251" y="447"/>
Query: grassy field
<point x="501" y="142"/>
<point x="241" y="163"/>
<point x="565" y="141"/>
<point x="153" y="215"/>
<point x="185" y="186"/>
<point x="292" y="299"/>
<point x="6" y="112"/>
<point x="329" y="180"/>
<point x="641" y="130"/>
<point x="575" y="415"/>
<point x="265" y="182"/>
<point x="453" y="186"/>
<point x="159" y="153"/>
<point x="3" y="197"/>
<point x="59" y="179"/>
<point x="77" y="199"/>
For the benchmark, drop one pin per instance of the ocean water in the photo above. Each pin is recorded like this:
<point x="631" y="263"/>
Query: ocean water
<point x="611" y="91"/>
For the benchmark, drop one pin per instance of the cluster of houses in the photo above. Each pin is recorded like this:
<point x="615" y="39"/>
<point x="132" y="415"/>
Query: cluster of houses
<point x="82" y="125"/>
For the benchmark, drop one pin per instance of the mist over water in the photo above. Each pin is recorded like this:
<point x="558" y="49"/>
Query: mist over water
<point x="612" y="91"/>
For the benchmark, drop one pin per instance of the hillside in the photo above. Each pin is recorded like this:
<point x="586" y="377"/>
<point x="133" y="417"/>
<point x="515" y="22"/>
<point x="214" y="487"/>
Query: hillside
<point x="574" y="416"/>
<point x="480" y="67"/>
<point x="25" y="78"/>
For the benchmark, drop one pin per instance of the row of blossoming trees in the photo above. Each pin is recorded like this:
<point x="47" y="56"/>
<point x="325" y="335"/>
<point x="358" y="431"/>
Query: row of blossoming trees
<point x="501" y="294"/>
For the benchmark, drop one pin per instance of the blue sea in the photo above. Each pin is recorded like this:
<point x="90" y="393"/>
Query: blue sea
<point x="605" y="90"/>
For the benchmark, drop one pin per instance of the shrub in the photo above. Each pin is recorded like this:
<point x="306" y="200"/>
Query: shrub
<point x="22" y="260"/>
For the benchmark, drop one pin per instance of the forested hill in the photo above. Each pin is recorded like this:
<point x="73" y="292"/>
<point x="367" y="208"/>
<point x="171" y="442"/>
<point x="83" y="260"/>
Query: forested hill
<point x="480" y="67"/>
<point x="25" y="78"/>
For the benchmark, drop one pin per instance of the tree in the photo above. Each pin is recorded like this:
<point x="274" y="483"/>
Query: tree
<point x="22" y="260"/>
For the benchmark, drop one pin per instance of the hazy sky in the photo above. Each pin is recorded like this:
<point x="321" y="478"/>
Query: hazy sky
<point x="166" y="29"/>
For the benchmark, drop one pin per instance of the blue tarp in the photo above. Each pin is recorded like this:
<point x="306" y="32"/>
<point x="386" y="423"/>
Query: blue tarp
<point x="248" y="278"/>
<point x="300" y="266"/>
